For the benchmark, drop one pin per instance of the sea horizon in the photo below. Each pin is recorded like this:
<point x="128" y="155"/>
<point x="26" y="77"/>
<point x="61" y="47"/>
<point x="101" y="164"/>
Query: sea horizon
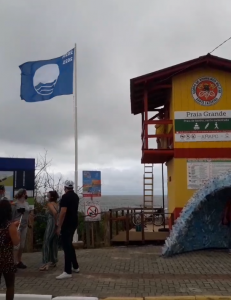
<point x="116" y="201"/>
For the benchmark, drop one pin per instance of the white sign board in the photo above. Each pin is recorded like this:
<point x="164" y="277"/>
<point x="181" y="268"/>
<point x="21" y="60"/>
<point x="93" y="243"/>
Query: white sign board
<point x="200" y="171"/>
<point x="202" y="126"/>
<point x="92" y="210"/>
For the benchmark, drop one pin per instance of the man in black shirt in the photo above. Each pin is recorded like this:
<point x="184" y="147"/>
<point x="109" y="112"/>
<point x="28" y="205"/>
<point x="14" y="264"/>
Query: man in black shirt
<point x="68" y="222"/>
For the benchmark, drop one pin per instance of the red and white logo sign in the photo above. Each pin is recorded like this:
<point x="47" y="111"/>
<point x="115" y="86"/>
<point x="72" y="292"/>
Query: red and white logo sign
<point x="206" y="91"/>
<point x="92" y="211"/>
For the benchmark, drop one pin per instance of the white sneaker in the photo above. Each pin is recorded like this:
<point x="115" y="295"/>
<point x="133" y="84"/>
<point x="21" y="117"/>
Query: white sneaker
<point x="64" y="275"/>
<point x="76" y="270"/>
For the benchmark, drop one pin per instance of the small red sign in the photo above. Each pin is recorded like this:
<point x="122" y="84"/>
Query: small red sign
<point x="92" y="211"/>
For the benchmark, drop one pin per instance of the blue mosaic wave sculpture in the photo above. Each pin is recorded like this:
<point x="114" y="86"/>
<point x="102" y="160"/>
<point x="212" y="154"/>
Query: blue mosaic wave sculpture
<point x="199" y="224"/>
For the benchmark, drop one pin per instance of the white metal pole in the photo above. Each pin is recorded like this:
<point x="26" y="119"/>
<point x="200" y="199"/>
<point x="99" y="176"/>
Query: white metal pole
<point x="75" y="237"/>
<point x="76" y="122"/>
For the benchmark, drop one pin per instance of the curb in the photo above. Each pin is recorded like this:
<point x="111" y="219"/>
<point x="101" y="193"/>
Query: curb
<point x="206" y="297"/>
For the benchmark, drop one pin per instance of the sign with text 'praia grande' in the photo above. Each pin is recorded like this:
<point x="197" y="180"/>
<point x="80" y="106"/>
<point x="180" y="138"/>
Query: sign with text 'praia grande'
<point x="91" y="184"/>
<point x="202" y="126"/>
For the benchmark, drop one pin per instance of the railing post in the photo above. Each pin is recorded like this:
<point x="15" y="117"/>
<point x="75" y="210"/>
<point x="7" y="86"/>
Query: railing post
<point x="142" y="227"/>
<point x="110" y="222"/>
<point x="146" y="117"/>
<point x="123" y="220"/>
<point x="163" y="200"/>
<point x="142" y="130"/>
<point x="117" y="229"/>
<point x="127" y="229"/>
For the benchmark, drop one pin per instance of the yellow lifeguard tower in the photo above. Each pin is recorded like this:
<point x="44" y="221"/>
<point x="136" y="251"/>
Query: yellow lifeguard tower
<point x="191" y="109"/>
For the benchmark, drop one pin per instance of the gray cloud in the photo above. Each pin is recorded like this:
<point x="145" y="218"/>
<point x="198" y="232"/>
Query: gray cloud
<point x="117" y="40"/>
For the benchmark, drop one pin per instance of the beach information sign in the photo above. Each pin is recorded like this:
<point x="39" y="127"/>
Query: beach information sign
<point x="91" y="184"/>
<point x="203" y="126"/>
<point x="200" y="171"/>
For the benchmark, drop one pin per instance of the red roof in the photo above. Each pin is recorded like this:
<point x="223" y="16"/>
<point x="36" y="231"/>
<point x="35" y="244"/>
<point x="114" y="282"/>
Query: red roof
<point x="159" y="83"/>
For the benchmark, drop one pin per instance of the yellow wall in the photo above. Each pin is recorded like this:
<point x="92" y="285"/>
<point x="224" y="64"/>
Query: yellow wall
<point x="182" y="100"/>
<point x="178" y="194"/>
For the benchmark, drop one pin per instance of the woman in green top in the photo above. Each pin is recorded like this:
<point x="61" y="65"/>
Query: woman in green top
<point x="50" y="241"/>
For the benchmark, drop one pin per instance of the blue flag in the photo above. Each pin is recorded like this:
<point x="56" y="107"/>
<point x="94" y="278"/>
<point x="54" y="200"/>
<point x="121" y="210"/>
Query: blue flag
<point x="45" y="79"/>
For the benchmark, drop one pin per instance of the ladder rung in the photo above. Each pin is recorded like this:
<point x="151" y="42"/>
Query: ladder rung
<point x="148" y="185"/>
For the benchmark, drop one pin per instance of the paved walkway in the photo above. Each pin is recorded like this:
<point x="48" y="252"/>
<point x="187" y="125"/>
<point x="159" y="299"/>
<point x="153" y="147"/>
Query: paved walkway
<point x="131" y="272"/>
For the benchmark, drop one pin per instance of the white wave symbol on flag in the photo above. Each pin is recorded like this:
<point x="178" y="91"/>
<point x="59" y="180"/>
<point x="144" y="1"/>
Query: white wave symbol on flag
<point x="45" y="88"/>
<point x="45" y="79"/>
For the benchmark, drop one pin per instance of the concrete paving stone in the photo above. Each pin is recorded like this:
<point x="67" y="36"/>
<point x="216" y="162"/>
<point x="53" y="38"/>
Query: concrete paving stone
<point x="132" y="271"/>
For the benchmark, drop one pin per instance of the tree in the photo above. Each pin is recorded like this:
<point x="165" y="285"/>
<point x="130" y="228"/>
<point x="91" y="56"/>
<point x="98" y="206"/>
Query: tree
<point x="44" y="180"/>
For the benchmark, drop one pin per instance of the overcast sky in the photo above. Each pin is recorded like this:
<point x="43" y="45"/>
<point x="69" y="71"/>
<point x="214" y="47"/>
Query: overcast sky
<point x="116" y="40"/>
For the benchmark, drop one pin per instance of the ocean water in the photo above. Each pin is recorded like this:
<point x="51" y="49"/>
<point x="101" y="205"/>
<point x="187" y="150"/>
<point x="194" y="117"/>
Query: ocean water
<point x="115" y="201"/>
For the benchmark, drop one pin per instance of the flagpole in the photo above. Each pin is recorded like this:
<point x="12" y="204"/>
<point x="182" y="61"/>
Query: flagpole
<point x="75" y="237"/>
<point x="76" y="125"/>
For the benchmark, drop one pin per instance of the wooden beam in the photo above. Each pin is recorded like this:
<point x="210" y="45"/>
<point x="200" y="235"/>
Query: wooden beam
<point x="159" y="87"/>
<point x="163" y="121"/>
<point x="156" y="115"/>
<point x="142" y="123"/>
<point x="168" y="73"/>
<point x="160" y="152"/>
<point x="146" y="118"/>
<point x="202" y="152"/>
<point x="164" y="135"/>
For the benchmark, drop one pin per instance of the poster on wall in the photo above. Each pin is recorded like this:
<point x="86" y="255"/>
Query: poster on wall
<point x="91" y="184"/>
<point x="7" y="179"/>
<point x="202" y="126"/>
<point x="200" y="171"/>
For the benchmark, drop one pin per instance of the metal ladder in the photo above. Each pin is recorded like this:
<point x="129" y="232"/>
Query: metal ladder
<point x="148" y="194"/>
<point x="148" y="186"/>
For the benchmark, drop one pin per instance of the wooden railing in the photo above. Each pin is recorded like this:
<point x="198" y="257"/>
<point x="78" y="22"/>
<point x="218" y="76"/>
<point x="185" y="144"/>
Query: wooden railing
<point x="168" y="137"/>
<point x="124" y="219"/>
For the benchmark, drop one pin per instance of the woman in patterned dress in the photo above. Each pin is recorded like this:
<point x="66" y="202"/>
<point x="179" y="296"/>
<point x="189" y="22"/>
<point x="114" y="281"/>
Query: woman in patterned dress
<point x="50" y="241"/>
<point x="9" y="237"/>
